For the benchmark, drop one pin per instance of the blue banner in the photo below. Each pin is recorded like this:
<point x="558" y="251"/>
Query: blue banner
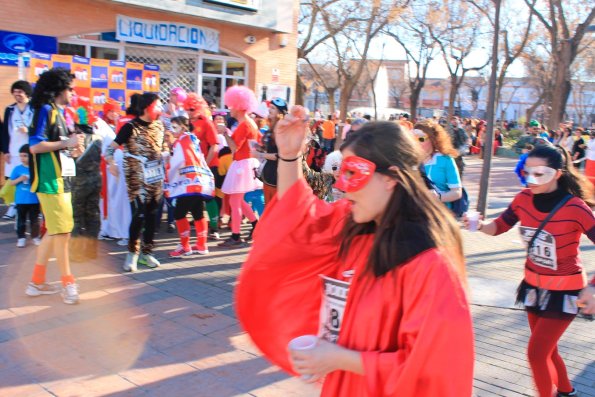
<point x="13" y="43"/>
<point x="171" y="34"/>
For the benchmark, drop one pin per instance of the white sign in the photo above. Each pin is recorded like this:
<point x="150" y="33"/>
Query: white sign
<point x="251" y="5"/>
<point x="162" y="33"/>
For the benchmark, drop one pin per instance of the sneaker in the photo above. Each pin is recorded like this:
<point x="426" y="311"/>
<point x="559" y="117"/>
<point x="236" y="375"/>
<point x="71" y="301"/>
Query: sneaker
<point x="200" y="250"/>
<point x="149" y="261"/>
<point x="10" y="213"/>
<point x="231" y="243"/>
<point x="131" y="262"/>
<point x="104" y="237"/>
<point x="37" y="241"/>
<point x="214" y="235"/>
<point x="573" y="393"/>
<point x="123" y="242"/>
<point x="171" y="228"/>
<point x="180" y="252"/>
<point x="40" y="289"/>
<point x="70" y="294"/>
<point x="21" y="242"/>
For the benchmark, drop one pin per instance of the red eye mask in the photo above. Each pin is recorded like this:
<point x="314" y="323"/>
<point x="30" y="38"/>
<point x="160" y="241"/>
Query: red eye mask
<point x="355" y="173"/>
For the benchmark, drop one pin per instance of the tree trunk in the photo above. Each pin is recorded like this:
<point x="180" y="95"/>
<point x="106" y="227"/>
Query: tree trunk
<point x="561" y="86"/>
<point x="414" y="101"/>
<point x="299" y="90"/>
<point x="529" y="112"/>
<point x="346" y="92"/>
<point x="454" y="88"/>
<point x="331" y="99"/>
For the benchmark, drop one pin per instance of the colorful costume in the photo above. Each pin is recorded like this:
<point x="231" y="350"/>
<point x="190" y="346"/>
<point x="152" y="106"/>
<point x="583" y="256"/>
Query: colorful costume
<point x="553" y="279"/>
<point x="412" y="325"/>
<point x="189" y="181"/>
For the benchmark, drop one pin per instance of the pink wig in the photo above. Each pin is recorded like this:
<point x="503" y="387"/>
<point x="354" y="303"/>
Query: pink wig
<point x="241" y="98"/>
<point x="180" y="93"/>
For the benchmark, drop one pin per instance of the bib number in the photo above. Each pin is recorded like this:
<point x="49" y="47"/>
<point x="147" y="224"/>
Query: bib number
<point x="67" y="163"/>
<point x="153" y="171"/>
<point x="333" y="307"/>
<point x="543" y="252"/>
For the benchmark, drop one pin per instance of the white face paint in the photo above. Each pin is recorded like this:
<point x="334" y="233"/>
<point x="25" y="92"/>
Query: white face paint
<point x="539" y="175"/>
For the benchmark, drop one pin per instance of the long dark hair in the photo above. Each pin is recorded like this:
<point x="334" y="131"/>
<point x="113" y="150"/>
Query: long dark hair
<point x="50" y="84"/>
<point x="570" y="181"/>
<point x="133" y="108"/>
<point x="387" y="145"/>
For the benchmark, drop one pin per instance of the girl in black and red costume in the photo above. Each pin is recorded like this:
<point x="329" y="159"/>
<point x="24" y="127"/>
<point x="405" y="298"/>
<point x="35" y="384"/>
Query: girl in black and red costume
<point x="554" y="275"/>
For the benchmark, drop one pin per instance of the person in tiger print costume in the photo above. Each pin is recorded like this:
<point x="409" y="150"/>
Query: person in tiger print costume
<point x="144" y="152"/>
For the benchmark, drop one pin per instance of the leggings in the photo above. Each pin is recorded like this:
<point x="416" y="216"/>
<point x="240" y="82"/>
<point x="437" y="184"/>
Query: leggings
<point x="143" y="214"/>
<point x="547" y="366"/>
<point x="25" y="211"/>
<point x="192" y="204"/>
<point x="239" y="207"/>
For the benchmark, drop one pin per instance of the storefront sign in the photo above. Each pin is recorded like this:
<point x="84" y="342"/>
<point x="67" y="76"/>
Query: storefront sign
<point x="13" y="43"/>
<point x="171" y="34"/>
<point x="251" y="5"/>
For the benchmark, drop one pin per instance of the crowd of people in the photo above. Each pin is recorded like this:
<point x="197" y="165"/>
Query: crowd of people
<point x="385" y="289"/>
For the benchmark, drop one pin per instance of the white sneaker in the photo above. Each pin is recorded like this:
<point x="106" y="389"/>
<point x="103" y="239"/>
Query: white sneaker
<point x="131" y="262"/>
<point x="122" y="242"/>
<point x="37" y="241"/>
<point x="21" y="242"/>
<point x="70" y="294"/>
<point x="149" y="261"/>
<point x="11" y="212"/>
<point x="40" y="289"/>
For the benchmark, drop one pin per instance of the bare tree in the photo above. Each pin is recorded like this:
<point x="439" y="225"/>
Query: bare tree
<point x="456" y="33"/>
<point x="313" y="32"/>
<point x="565" y="31"/>
<point x="351" y="46"/>
<point x="414" y="36"/>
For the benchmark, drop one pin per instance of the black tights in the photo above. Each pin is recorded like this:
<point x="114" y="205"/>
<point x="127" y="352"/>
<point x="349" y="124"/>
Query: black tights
<point x="143" y="214"/>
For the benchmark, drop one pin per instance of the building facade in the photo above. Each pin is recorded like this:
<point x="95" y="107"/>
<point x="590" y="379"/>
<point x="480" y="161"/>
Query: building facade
<point x="204" y="46"/>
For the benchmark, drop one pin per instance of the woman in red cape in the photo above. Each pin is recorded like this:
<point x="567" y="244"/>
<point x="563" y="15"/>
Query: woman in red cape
<point x="378" y="276"/>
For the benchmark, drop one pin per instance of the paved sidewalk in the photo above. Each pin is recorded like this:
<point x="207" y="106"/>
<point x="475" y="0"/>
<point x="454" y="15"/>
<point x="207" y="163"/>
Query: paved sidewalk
<point x="173" y="331"/>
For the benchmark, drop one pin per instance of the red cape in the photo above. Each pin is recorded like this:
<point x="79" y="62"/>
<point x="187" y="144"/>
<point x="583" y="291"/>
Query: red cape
<point x="413" y="325"/>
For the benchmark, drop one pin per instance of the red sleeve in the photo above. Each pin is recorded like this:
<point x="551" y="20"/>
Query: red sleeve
<point x="584" y="217"/>
<point x="210" y="134"/>
<point x="240" y="134"/>
<point x="279" y="293"/>
<point x="435" y="339"/>
<point x="509" y="218"/>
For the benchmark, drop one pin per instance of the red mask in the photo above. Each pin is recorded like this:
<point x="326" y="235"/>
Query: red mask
<point x="154" y="111"/>
<point x="355" y="173"/>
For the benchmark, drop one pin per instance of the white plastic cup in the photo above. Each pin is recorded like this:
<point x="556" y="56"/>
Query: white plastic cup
<point x="304" y="342"/>
<point x="473" y="219"/>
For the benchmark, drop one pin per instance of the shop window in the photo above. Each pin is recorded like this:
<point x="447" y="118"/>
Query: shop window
<point x="105" y="53"/>
<point x="71" y="49"/>
<point x="231" y="82"/>
<point x="235" y="69"/>
<point x="212" y="66"/>
<point x="211" y="89"/>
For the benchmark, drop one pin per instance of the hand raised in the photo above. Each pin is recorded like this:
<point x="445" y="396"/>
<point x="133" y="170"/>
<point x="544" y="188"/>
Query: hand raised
<point x="291" y="132"/>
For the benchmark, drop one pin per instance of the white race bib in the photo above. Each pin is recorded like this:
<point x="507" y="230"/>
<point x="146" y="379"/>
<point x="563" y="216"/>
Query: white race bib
<point x="153" y="171"/>
<point x="67" y="163"/>
<point x="543" y="252"/>
<point x="332" y="309"/>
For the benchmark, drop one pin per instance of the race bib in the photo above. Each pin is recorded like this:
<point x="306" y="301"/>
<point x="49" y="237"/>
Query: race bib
<point x="334" y="299"/>
<point x="153" y="171"/>
<point x="543" y="252"/>
<point x="67" y="163"/>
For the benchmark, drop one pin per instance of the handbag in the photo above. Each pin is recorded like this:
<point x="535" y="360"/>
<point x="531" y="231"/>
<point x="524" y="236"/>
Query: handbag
<point x="460" y="206"/>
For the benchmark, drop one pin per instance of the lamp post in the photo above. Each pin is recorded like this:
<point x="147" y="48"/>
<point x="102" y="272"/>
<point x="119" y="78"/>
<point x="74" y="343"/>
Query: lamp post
<point x="484" y="184"/>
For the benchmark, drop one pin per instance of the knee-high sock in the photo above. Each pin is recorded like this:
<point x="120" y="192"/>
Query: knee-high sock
<point x="201" y="234"/>
<point x="184" y="230"/>
<point x="213" y="211"/>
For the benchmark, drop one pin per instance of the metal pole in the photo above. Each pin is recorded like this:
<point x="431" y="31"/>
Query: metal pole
<point x="484" y="184"/>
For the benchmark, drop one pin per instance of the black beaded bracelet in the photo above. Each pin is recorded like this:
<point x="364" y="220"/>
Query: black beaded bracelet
<point x="288" y="160"/>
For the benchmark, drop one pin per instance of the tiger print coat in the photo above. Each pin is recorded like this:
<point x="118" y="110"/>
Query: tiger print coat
<point x="145" y="140"/>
